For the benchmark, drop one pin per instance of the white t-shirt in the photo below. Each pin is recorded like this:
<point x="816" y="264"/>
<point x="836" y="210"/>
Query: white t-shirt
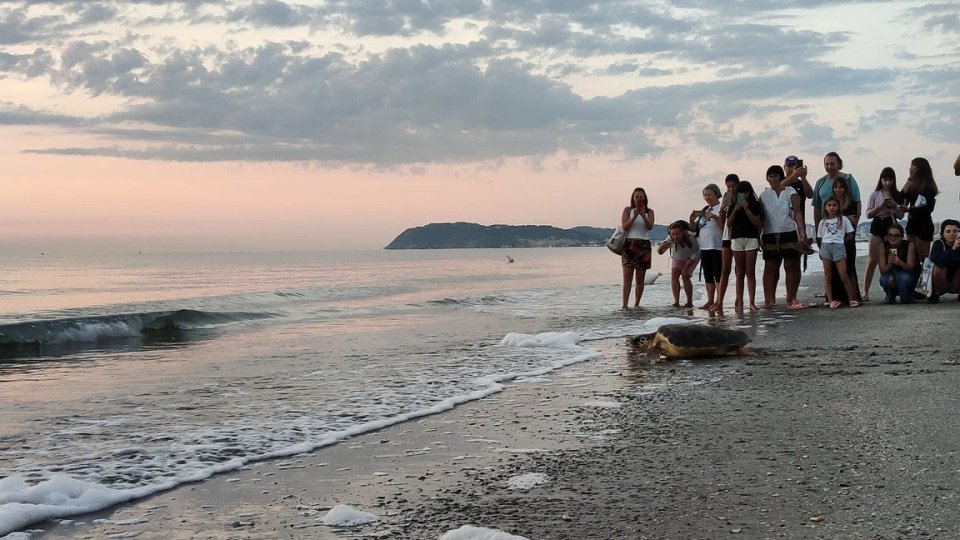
<point x="711" y="235"/>
<point x="639" y="230"/>
<point x="832" y="230"/>
<point x="778" y="210"/>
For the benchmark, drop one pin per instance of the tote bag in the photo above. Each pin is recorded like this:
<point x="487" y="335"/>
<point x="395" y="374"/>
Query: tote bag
<point x="617" y="241"/>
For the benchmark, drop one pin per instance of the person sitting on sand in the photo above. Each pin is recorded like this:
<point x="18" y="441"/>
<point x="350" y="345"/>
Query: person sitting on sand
<point x="834" y="229"/>
<point x="945" y="255"/>
<point x="746" y="218"/>
<point x="685" y="252"/>
<point x="898" y="266"/>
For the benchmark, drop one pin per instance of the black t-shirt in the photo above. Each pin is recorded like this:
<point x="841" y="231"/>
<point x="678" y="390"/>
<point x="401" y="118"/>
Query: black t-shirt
<point x="741" y="226"/>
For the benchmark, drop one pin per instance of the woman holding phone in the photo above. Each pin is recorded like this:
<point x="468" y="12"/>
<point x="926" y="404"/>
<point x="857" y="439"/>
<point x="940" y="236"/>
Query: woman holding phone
<point x="884" y="209"/>
<point x="746" y="217"/>
<point x="637" y="220"/>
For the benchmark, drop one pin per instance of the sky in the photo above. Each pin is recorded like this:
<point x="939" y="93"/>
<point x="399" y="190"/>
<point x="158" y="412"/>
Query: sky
<point x="159" y="125"/>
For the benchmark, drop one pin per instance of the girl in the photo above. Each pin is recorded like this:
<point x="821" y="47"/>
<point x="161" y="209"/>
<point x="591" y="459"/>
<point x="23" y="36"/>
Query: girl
<point x="898" y="266"/>
<point x="745" y="216"/>
<point x="920" y="193"/>
<point x="685" y="251"/>
<point x="637" y="220"/>
<point x="707" y="225"/>
<point x="835" y="229"/>
<point x="883" y="208"/>
<point x="726" y="252"/>
<point x="850" y="209"/>
<point x="945" y="255"/>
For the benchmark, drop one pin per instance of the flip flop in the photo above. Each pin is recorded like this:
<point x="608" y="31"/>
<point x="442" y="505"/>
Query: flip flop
<point x="798" y="305"/>
<point x="835" y="304"/>
<point x="854" y="303"/>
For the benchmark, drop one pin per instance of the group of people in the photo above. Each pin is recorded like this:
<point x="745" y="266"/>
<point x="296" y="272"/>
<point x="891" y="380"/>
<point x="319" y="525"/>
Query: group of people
<point x="735" y="225"/>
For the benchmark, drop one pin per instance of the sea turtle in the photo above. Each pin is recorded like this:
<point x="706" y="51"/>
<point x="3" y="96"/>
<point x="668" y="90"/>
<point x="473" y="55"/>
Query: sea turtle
<point x="693" y="341"/>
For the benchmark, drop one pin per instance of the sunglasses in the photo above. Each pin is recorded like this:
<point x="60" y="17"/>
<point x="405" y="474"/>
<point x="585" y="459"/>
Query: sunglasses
<point x="898" y="235"/>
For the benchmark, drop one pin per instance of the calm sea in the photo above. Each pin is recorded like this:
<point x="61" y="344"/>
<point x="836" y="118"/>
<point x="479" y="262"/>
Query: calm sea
<point x="124" y="375"/>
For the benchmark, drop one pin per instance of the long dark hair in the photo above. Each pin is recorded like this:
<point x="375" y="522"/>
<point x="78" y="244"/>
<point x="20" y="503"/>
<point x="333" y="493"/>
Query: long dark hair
<point x="646" y="200"/>
<point x="923" y="182"/>
<point x="895" y="194"/>
<point x="847" y="197"/>
<point x="743" y="187"/>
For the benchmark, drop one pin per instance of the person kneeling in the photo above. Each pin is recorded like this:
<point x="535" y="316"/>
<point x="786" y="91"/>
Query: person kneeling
<point x="898" y="266"/>
<point x="945" y="255"/>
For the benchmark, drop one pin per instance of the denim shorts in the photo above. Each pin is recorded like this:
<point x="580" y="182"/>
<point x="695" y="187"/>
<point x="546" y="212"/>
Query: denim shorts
<point x="833" y="252"/>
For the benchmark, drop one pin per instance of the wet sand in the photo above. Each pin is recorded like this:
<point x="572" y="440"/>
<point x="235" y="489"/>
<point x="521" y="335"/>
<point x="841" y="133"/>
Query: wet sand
<point x="834" y="429"/>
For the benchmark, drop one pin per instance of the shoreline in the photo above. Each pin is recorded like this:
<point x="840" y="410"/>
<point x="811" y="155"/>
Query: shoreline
<point x="632" y="450"/>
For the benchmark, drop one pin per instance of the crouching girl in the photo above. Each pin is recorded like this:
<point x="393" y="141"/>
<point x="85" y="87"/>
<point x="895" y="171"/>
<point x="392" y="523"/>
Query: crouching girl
<point x="685" y="252"/>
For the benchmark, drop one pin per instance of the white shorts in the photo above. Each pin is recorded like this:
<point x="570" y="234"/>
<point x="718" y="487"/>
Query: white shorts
<point x="745" y="244"/>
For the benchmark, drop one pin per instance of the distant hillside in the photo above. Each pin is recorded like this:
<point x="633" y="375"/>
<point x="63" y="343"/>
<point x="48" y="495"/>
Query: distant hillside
<point x="473" y="235"/>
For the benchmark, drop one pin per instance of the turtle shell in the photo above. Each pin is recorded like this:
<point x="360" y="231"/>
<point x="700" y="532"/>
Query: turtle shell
<point x="693" y="340"/>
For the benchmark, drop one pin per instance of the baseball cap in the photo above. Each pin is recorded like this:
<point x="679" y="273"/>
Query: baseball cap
<point x="791" y="160"/>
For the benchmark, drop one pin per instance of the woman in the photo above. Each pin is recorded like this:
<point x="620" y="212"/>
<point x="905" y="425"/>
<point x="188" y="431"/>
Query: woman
<point x="706" y="223"/>
<point x="783" y="235"/>
<point x="726" y="252"/>
<point x="898" y="266"/>
<point x="945" y="256"/>
<point x="883" y="208"/>
<point x="636" y="220"/>
<point x="833" y="165"/>
<point x="685" y="252"/>
<point x="851" y="210"/>
<point x="920" y="194"/>
<point x="746" y="218"/>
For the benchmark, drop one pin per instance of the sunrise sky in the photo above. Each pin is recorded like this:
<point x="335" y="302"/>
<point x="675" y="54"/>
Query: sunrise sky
<point x="203" y="125"/>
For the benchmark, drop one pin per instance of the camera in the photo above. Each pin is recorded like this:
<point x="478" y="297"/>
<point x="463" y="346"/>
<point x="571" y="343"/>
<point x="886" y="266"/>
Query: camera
<point x="799" y="163"/>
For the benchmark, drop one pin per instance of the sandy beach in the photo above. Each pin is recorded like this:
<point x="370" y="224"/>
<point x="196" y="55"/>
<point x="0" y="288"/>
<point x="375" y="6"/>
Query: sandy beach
<point x="842" y="425"/>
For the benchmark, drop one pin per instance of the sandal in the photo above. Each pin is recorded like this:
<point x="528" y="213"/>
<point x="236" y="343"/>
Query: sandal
<point x="834" y="304"/>
<point x="798" y="305"/>
<point x="854" y="303"/>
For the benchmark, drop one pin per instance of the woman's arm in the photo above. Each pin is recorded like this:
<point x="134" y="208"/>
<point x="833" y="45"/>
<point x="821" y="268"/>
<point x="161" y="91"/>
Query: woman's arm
<point x="884" y="262"/>
<point x="956" y="166"/>
<point x="755" y="218"/>
<point x="625" y="220"/>
<point x="648" y="218"/>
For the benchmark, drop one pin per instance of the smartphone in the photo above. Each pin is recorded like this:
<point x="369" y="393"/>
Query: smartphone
<point x="799" y="163"/>
<point x="698" y="213"/>
<point x="741" y="197"/>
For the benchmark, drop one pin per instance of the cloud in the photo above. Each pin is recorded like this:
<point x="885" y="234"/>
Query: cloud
<point x="405" y="82"/>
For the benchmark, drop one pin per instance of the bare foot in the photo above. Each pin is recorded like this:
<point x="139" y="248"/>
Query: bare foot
<point x="688" y="305"/>
<point x="753" y="307"/>
<point x="738" y="307"/>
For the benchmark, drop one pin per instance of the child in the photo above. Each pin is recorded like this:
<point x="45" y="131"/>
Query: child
<point x="685" y="251"/>
<point x="745" y="217"/>
<point x="835" y="229"/>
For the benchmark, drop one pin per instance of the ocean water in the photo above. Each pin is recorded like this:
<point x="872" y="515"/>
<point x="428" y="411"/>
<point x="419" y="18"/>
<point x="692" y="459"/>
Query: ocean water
<point x="125" y="375"/>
